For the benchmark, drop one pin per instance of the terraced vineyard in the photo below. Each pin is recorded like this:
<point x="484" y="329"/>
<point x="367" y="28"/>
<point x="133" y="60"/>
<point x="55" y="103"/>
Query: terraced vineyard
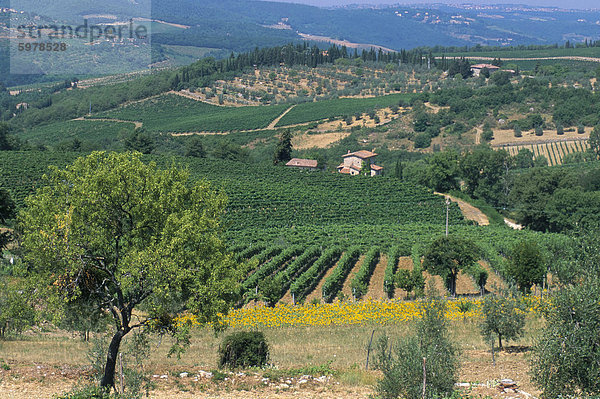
<point x="175" y="114"/>
<point x="100" y="133"/>
<point x="554" y="151"/>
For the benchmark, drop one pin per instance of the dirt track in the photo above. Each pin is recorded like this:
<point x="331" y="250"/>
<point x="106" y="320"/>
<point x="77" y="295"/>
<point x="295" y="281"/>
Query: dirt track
<point x="469" y="211"/>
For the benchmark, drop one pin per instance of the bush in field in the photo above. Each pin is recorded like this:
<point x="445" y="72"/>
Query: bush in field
<point x="244" y="349"/>
<point x="566" y="358"/>
<point x="539" y="131"/>
<point x="270" y="291"/>
<point x="503" y="316"/>
<point x="447" y="256"/>
<point x="402" y="362"/>
<point x="86" y="392"/>
<point x="517" y="131"/>
<point x="540" y="161"/>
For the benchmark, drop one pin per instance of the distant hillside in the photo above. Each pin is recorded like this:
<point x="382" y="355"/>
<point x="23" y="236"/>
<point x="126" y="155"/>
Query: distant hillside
<point x="185" y="30"/>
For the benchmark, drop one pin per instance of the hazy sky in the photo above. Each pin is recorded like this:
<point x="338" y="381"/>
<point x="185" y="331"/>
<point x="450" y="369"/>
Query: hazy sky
<point x="556" y="3"/>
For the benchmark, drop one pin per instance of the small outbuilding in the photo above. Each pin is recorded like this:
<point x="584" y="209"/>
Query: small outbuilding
<point x="477" y="68"/>
<point x="306" y="164"/>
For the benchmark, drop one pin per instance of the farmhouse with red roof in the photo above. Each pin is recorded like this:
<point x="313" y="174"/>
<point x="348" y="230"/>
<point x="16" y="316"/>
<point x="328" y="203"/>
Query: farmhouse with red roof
<point x="354" y="161"/>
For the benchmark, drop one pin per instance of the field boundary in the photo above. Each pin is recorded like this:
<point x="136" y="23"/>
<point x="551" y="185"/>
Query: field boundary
<point x="482" y="58"/>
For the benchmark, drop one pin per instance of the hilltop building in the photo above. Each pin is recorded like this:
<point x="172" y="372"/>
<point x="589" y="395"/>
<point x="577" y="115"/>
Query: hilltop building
<point x="354" y="161"/>
<point x="476" y="69"/>
<point x="306" y="164"/>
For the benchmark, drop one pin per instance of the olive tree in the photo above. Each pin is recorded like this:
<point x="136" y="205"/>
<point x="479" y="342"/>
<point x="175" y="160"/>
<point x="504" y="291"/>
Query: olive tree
<point x="7" y="208"/>
<point x="122" y="234"/>
<point x="420" y="366"/>
<point x="503" y="316"/>
<point x="566" y="356"/>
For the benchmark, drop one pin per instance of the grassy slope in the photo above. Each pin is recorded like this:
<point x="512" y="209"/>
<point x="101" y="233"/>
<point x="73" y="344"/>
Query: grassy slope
<point x="314" y="111"/>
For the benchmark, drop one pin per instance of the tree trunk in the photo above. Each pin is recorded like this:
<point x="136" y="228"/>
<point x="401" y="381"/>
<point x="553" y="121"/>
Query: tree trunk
<point x="500" y="341"/>
<point x="108" y="379"/>
<point x="453" y="284"/>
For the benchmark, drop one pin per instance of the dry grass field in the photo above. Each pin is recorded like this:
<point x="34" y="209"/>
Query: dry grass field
<point x="43" y="364"/>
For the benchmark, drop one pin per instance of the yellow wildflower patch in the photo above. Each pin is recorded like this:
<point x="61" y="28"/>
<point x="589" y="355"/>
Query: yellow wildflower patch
<point x="337" y="314"/>
<point x="351" y="313"/>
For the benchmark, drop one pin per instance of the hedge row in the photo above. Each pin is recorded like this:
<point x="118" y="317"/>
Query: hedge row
<point x="334" y="283"/>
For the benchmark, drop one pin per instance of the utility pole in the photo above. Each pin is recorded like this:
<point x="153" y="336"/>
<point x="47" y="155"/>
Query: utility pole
<point x="447" y="213"/>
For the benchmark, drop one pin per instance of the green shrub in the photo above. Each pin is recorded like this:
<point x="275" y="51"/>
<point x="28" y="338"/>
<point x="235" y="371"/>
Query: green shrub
<point x="517" y="131"/>
<point x="487" y="135"/>
<point x="526" y="265"/>
<point x="422" y="140"/>
<point x="539" y="131"/>
<point x="244" y="349"/>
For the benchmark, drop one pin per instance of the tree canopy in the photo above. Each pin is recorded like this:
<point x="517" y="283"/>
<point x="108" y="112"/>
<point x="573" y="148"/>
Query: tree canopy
<point x="283" y="151"/>
<point x="526" y="265"/>
<point x="113" y="230"/>
<point x="446" y="256"/>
